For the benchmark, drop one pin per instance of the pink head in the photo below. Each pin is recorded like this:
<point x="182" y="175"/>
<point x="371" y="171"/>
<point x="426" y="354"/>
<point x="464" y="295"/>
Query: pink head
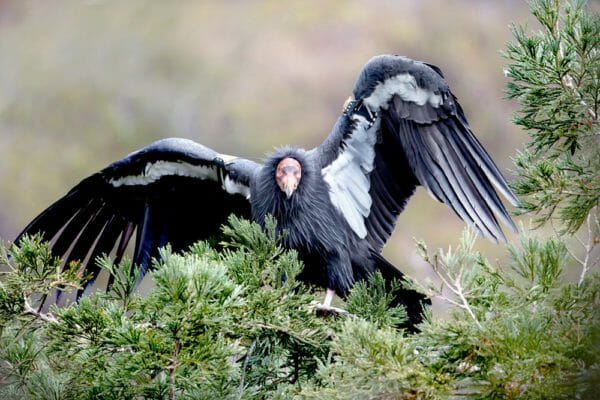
<point x="288" y="175"/>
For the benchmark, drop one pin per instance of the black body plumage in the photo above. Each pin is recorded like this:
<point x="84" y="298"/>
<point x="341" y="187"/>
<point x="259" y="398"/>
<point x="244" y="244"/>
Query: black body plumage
<point x="333" y="255"/>
<point x="402" y="128"/>
<point x="309" y="219"/>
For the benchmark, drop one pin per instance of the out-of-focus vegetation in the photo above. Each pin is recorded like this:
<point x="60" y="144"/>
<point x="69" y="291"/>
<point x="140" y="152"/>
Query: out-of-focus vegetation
<point x="84" y="83"/>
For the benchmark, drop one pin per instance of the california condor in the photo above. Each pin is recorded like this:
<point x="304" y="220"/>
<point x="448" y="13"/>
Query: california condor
<point x="338" y="202"/>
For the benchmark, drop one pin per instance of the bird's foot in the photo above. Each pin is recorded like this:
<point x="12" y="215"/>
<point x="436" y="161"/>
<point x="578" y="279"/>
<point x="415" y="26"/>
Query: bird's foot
<point x="324" y="309"/>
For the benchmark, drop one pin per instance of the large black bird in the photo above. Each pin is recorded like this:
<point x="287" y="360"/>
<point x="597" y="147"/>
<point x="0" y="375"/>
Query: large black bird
<point x="339" y="202"/>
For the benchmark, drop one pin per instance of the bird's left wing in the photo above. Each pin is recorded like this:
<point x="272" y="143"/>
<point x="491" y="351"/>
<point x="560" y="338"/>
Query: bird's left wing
<point x="403" y="128"/>
<point x="173" y="191"/>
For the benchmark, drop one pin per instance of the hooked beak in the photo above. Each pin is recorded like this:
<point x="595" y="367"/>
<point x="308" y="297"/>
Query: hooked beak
<point x="290" y="183"/>
<point x="288" y="192"/>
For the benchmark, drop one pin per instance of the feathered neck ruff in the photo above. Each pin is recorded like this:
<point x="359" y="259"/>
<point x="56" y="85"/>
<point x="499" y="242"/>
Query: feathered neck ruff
<point x="267" y="197"/>
<point x="307" y="212"/>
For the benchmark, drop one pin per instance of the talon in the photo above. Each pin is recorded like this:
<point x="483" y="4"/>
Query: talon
<point x="323" y="310"/>
<point x="326" y="308"/>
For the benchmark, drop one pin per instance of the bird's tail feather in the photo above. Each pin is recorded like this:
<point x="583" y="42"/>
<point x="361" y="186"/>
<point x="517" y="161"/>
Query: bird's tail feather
<point x="414" y="302"/>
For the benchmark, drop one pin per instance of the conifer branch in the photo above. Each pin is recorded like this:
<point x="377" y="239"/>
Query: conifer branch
<point x="590" y="246"/>
<point x="172" y="367"/>
<point x="245" y="367"/>
<point x="27" y="309"/>
<point x="567" y="80"/>
<point x="455" y="286"/>
<point x="450" y="271"/>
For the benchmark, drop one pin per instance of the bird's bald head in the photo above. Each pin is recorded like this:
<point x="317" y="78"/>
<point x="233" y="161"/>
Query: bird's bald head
<point x="288" y="175"/>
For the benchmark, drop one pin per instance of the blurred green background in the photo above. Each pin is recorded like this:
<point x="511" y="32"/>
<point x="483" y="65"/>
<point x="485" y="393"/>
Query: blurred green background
<point x="83" y="83"/>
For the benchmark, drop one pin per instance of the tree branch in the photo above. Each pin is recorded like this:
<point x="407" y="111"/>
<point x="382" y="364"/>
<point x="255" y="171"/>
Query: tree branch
<point x="567" y="80"/>
<point x="589" y="246"/>
<point x="172" y="368"/>
<point x="27" y="309"/>
<point x="245" y="366"/>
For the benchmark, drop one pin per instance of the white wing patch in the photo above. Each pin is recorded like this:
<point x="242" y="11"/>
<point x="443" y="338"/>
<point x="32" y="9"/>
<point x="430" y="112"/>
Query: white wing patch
<point x="233" y="187"/>
<point x="405" y="86"/>
<point x="156" y="170"/>
<point x="347" y="175"/>
<point x="229" y="185"/>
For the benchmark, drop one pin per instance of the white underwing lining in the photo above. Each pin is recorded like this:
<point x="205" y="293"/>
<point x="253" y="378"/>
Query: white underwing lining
<point x="347" y="175"/>
<point x="156" y="170"/>
<point x="405" y="86"/>
<point x="233" y="187"/>
<point x="159" y="169"/>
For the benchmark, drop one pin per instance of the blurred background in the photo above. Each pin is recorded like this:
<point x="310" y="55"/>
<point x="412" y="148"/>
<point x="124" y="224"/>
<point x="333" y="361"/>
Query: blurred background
<point x="84" y="83"/>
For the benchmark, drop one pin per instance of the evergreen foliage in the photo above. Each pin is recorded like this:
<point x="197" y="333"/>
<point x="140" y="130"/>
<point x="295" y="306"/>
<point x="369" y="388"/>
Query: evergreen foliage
<point x="555" y="76"/>
<point x="235" y="323"/>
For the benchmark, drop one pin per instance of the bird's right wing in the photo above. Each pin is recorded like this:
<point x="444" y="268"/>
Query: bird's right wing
<point x="173" y="191"/>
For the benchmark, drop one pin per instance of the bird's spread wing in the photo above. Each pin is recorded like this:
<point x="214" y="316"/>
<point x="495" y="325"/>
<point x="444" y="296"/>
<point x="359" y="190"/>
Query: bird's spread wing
<point x="174" y="191"/>
<point x="403" y="128"/>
